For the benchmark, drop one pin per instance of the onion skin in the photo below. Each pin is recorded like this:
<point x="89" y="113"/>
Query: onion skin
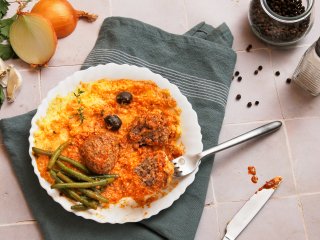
<point x="62" y="15"/>
<point x="33" y="39"/>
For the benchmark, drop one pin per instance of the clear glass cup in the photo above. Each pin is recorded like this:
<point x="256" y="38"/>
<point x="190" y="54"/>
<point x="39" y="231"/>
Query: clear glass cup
<point x="276" y="29"/>
<point x="307" y="73"/>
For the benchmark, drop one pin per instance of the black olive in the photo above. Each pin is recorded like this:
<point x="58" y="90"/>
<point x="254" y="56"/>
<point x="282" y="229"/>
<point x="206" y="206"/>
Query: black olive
<point x="113" y="122"/>
<point x="124" y="98"/>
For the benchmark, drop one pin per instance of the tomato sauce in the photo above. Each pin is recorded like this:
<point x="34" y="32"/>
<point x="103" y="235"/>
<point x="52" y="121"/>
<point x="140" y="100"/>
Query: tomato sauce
<point x="62" y="123"/>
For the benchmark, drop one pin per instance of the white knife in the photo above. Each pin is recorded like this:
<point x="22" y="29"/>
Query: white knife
<point x="250" y="209"/>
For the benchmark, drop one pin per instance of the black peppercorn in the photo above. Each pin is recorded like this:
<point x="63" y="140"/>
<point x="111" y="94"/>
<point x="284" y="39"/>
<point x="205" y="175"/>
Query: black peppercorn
<point x="249" y="104"/>
<point x="238" y="97"/>
<point x="256" y="72"/>
<point x="277" y="73"/>
<point x="256" y="103"/>
<point x="288" y="80"/>
<point x="260" y="68"/>
<point x="236" y="73"/>
<point x="239" y="79"/>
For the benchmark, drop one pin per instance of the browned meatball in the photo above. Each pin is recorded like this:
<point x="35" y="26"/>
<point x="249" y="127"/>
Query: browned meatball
<point x="100" y="153"/>
<point x="149" y="129"/>
<point x="156" y="170"/>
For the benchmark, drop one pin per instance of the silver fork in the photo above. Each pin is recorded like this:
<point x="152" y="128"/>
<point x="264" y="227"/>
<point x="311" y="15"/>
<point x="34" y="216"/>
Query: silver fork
<point x="186" y="164"/>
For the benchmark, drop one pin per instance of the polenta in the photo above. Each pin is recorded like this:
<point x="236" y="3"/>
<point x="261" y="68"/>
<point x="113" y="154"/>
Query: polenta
<point x="138" y="150"/>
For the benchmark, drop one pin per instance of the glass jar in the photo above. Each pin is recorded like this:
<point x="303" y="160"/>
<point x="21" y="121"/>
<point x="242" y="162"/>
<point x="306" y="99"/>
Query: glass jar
<point x="307" y="74"/>
<point x="281" y="22"/>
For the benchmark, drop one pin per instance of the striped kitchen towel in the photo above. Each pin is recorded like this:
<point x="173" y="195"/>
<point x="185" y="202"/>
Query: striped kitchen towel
<point x="200" y="63"/>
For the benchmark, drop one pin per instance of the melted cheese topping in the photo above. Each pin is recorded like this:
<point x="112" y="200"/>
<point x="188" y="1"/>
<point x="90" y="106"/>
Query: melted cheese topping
<point x="62" y="123"/>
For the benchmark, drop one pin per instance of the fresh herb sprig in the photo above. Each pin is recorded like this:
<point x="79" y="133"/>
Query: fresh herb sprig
<point x="80" y="110"/>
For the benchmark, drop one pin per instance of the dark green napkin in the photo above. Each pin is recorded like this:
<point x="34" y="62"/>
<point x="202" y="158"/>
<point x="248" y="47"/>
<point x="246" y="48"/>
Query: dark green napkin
<point x="200" y="63"/>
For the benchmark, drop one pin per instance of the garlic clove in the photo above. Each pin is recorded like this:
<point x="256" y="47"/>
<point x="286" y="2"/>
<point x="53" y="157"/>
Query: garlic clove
<point x="3" y="74"/>
<point x="14" y="83"/>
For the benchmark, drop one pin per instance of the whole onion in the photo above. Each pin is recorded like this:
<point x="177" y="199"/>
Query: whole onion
<point x="62" y="15"/>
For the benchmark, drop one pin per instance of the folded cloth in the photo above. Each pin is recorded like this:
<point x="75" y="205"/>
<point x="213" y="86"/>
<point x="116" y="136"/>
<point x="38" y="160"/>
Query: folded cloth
<point x="200" y="63"/>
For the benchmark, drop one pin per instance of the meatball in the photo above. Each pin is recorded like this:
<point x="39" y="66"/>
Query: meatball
<point x="155" y="170"/>
<point x="100" y="153"/>
<point x="149" y="129"/>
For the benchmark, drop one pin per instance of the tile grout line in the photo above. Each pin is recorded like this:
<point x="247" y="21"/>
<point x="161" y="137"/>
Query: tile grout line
<point x="186" y="15"/>
<point x="218" y="222"/>
<point x="268" y="120"/>
<point x="309" y="194"/>
<point x="64" y="65"/>
<point x="275" y="83"/>
<point x="40" y="85"/>
<point x="25" y="222"/>
<point x="272" y="198"/>
<point x="294" y="178"/>
<point x="270" y="48"/>
<point x="110" y="7"/>
<point x="215" y="203"/>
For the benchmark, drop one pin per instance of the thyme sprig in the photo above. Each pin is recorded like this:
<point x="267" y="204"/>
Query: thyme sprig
<point x="80" y="110"/>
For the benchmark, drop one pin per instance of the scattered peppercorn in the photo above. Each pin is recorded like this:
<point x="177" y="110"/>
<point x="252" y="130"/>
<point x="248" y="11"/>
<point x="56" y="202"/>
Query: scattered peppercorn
<point x="236" y="73"/>
<point x="249" y="48"/>
<point x="260" y="68"/>
<point x="256" y="103"/>
<point x="288" y="80"/>
<point x="249" y="104"/>
<point x="239" y="79"/>
<point x="277" y="73"/>
<point x="256" y="72"/>
<point x="238" y="97"/>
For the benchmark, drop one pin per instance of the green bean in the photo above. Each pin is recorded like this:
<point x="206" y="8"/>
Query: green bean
<point x="105" y="176"/>
<point x="72" y="194"/>
<point x="74" y="173"/>
<point x="79" y="207"/>
<point x="77" y="197"/>
<point x="62" y="158"/>
<point x="86" y="192"/>
<point x="82" y="184"/>
<point x="56" y="154"/>
<point x="55" y="177"/>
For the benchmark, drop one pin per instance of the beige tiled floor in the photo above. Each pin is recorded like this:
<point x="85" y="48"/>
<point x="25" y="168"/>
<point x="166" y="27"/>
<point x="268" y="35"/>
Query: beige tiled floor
<point x="293" y="152"/>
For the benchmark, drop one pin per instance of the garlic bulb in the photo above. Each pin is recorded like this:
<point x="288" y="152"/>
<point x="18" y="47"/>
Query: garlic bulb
<point x="14" y="83"/>
<point x="3" y="74"/>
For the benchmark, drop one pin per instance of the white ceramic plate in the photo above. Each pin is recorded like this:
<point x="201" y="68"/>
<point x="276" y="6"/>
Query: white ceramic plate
<point x="191" y="138"/>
